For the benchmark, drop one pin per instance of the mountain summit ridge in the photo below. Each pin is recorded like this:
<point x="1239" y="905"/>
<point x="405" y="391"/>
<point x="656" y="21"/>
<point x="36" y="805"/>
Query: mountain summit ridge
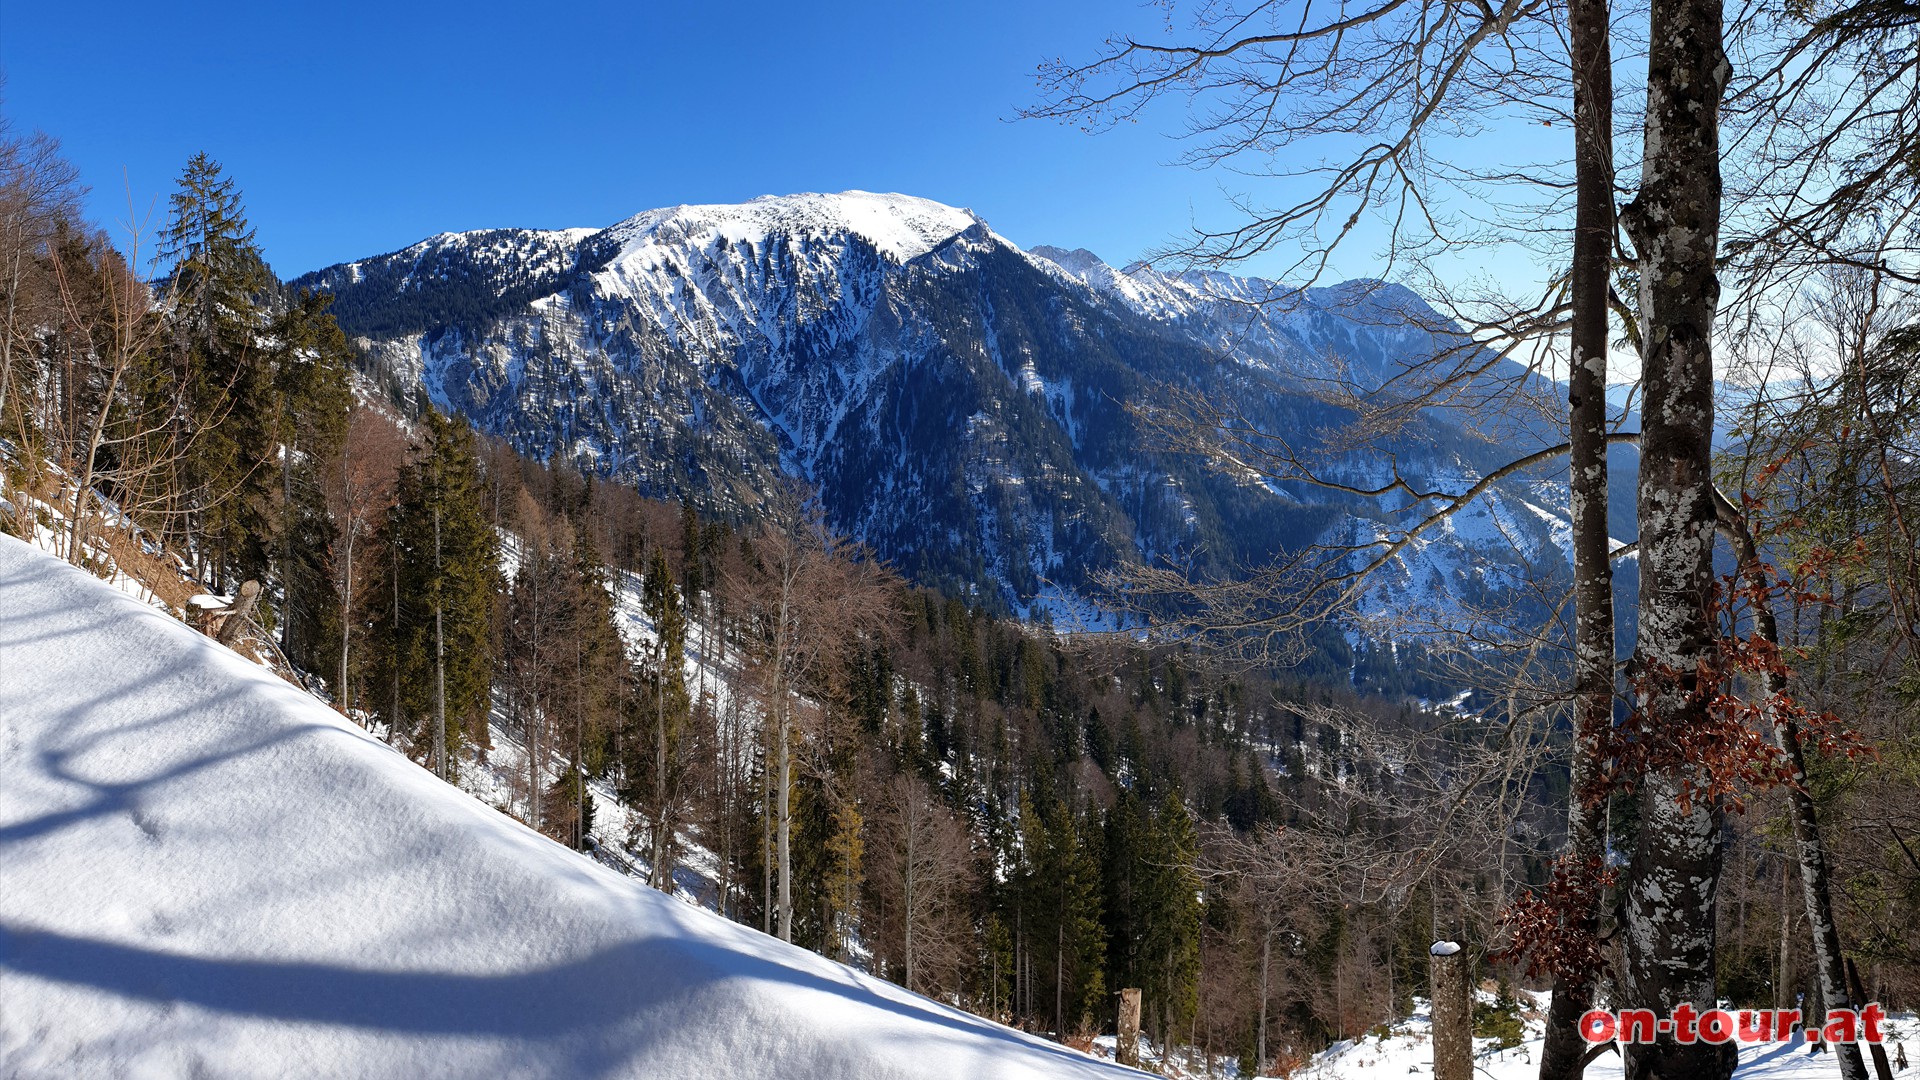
<point x="962" y="405"/>
<point x="903" y="227"/>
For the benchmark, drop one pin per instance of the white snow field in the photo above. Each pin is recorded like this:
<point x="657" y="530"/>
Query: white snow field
<point x="206" y="873"/>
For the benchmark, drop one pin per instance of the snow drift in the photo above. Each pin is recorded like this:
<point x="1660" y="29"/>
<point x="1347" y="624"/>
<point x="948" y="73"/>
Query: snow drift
<point x="204" y="872"/>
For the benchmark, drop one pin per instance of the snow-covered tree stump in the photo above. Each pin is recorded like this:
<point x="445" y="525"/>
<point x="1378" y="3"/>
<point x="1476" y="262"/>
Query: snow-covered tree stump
<point x="1452" y="1013"/>
<point x="1126" y="1049"/>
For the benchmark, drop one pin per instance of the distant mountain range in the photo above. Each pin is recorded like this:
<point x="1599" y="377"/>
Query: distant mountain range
<point x="960" y="404"/>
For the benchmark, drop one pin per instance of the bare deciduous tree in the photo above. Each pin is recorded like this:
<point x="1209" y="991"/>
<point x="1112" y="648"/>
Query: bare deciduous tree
<point x="358" y="496"/>
<point x="921" y="858"/>
<point x="809" y="598"/>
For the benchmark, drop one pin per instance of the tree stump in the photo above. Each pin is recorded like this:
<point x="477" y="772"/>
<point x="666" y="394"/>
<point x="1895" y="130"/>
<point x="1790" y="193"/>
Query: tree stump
<point x="1452" y="1012"/>
<point x="1126" y="1049"/>
<point x="234" y="619"/>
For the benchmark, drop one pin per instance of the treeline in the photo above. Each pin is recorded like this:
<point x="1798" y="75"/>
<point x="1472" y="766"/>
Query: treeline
<point x="1016" y="822"/>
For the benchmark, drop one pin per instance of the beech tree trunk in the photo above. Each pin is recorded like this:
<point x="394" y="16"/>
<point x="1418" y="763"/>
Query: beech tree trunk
<point x="286" y="548"/>
<point x="346" y="625"/>
<point x="783" y="798"/>
<point x="6" y="332"/>
<point x="1674" y="874"/>
<point x="393" y="685"/>
<point x="783" y="840"/>
<point x="660" y="871"/>
<point x="1882" y="1069"/>
<point x="1782" y="972"/>
<point x="766" y="836"/>
<point x="1266" y="993"/>
<point x="1563" y="1055"/>
<point x="907" y="906"/>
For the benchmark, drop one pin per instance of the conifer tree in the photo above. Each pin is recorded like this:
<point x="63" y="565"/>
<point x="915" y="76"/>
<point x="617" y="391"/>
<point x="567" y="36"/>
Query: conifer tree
<point x="598" y="671"/>
<point x="1169" y="949"/>
<point x="446" y="574"/>
<point x="1064" y="913"/>
<point x="1153" y="907"/>
<point x="223" y="434"/>
<point x="844" y="872"/>
<point x="310" y="357"/>
<point x="529" y="648"/>
<point x="569" y="806"/>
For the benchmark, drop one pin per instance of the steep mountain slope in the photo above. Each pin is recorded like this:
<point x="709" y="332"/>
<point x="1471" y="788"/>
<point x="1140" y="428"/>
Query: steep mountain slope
<point x="961" y="404"/>
<point x="204" y="872"/>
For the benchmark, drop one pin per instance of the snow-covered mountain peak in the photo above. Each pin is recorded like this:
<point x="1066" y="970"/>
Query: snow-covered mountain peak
<point x="901" y="227"/>
<point x="955" y="399"/>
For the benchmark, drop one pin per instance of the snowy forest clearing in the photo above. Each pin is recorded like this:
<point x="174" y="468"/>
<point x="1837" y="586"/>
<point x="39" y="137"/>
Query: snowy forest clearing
<point x="207" y="872"/>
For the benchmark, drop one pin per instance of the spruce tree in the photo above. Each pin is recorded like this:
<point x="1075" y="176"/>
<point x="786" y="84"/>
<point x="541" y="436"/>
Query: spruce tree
<point x="529" y="645"/>
<point x="1169" y="949"/>
<point x="310" y="358"/>
<point x="597" y="665"/>
<point x="1063" y="913"/>
<point x="447" y="572"/>
<point x="225" y="420"/>
<point x="570" y="806"/>
<point x="1153" y="906"/>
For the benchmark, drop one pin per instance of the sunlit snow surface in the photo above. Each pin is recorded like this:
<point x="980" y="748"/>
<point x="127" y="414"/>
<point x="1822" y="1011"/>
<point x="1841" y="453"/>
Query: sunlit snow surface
<point x="901" y="226"/>
<point x="204" y="872"/>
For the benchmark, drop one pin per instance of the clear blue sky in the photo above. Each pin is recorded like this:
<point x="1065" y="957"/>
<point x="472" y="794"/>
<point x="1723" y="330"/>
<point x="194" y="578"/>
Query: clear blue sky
<point x="356" y="128"/>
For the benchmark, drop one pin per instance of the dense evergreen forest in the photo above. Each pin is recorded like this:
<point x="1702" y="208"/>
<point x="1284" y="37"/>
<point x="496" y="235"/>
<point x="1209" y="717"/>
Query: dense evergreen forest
<point x="1012" y="819"/>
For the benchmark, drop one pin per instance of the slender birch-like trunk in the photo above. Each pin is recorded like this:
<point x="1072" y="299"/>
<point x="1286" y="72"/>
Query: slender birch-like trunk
<point x="439" y="658"/>
<point x="1810" y="855"/>
<point x="1563" y="1055"/>
<point x="908" y="909"/>
<point x="346" y="619"/>
<point x="783" y="799"/>
<point x="660" y="875"/>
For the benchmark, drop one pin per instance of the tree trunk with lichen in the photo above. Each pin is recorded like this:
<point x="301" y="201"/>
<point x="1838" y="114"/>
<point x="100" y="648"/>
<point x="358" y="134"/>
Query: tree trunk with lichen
<point x="1672" y="879"/>
<point x="1126" y="1046"/>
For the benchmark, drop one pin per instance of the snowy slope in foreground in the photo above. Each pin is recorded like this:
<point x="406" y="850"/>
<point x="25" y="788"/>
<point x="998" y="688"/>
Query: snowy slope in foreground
<point x="203" y="872"/>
